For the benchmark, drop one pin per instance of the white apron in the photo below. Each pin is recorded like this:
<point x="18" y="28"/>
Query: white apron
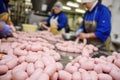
<point x="54" y="26"/>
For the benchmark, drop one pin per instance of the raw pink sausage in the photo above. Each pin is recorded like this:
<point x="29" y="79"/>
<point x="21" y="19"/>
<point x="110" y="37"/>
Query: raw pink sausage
<point x="30" y="68"/>
<point x="89" y="65"/>
<point x="36" y="74"/>
<point x="110" y="58"/>
<point x="104" y="77"/>
<point x="64" y="75"/>
<point x="98" y="68"/>
<point x="117" y="62"/>
<point x="71" y="69"/>
<point x="39" y="64"/>
<point x="22" y="67"/>
<point x="51" y="69"/>
<point x="19" y="75"/>
<point x="77" y="65"/>
<point x="48" y="60"/>
<point x="115" y="74"/>
<point x="3" y="69"/>
<point x="59" y="66"/>
<point x="44" y="76"/>
<point x="94" y="75"/>
<point x="21" y="59"/>
<point x="54" y="76"/>
<point x="76" y="76"/>
<point x="106" y="68"/>
<point x="6" y="76"/>
<point x="12" y="63"/>
<point x="31" y="58"/>
<point x="84" y="74"/>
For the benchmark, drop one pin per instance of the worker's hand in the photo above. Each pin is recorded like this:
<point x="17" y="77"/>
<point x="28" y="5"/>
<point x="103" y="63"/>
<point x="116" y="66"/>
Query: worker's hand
<point x="11" y="25"/>
<point x="5" y="29"/>
<point x="78" y="31"/>
<point x="49" y="29"/>
<point x="13" y="28"/>
<point x="43" y="24"/>
<point x="82" y="35"/>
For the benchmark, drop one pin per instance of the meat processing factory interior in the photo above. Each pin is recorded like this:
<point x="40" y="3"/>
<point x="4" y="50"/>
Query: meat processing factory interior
<point x="59" y="39"/>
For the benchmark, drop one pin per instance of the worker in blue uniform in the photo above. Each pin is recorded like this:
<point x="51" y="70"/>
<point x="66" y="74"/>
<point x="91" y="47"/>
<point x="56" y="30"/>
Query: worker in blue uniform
<point x="3" y="6"/>
<point x="96" y="26"/>
<point x="57" y="21"/>
<point x="6" y="25"/>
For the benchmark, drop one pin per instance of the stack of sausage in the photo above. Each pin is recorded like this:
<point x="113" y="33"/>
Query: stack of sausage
<point x="30" y="67"/>
<point x="29" y="59"/>
<point x="50" y="37"/>
<point x="86" y="68"/>
<point x="73" y="47"/>
<point x="43" y="34"/>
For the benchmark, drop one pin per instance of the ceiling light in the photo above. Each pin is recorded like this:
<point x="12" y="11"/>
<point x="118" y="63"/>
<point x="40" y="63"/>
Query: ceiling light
<point x="66" y="8"/>
<point x="79" y="10"/>
<point x="72" y="4"/>
<point x="28" y="0"/>
<point x="79" y="1"/>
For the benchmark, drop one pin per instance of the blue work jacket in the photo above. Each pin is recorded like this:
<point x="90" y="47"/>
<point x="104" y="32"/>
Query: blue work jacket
<point x="103" y="19"/>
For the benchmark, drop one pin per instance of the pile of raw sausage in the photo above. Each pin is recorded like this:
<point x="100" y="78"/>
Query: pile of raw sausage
<point x="30" y="67"/>
<point x="32" y="57"/>
<point x="86" y="68"/>
<point x="73" y="47"/>
<point x="29" y="58"/>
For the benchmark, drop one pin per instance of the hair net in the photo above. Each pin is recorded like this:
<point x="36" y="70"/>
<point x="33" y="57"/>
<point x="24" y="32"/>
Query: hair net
<point x="58" y="5"/>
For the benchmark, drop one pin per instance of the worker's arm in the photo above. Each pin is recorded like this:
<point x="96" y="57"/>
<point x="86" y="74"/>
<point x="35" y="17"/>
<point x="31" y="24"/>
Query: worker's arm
<point x="11" y="25"/>
<point x="103" y="28"/>
<point x="0" y="27"/>
<point x="5" y="29"/>
<point x="44" y="24"/>
<point x="86" y="35"/>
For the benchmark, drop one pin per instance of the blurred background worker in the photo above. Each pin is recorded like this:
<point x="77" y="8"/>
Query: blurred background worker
<point x="6" y="25"/>
<point x="96" y="26"/>
<point x="3" y="6"/>
<point x="57" y="21"/>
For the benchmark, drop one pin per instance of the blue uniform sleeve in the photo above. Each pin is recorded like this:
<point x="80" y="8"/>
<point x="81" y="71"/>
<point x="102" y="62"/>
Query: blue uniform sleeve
<point x="5" y="29"/>
<point x="3" y="7"/>
<point x="62" y="21"/>
<point x="104" y="25"/>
